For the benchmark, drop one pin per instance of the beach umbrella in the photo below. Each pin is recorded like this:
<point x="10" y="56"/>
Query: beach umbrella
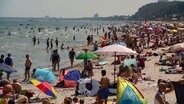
<point x="127" y="93"/>
<point x="45" y="74"/>
<point x="7" y="68"/>
<point x="115" y="49"/>
<point x="45" y="87"/>
<point x="176" y="47"/>
<point x="86" y="55"/>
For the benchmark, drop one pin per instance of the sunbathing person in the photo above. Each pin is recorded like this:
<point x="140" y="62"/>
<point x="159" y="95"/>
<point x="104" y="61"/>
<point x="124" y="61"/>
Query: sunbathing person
<point x="16" y="86"/>
<point x="8" y="93"/>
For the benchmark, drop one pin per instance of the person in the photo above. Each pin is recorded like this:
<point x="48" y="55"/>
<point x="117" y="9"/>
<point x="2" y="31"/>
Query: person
<point x="55" y="58"/>
<point x="47" y="43"/>
<point x="75" y="100"/>
<point x="85" y="61"/>
<point x="28" y="65"/>
<point x="140" y="62"/>
<point x="16" y="86"/>
<point x="88" y="40"/>
<point x="90" y="69"/>
<point x="62" y="46"/>
<point x="8" y="61"/>
<point x="34" y="40"/>
<point x="81" y="101"/>
<point x="74" y="37"/>
<point x="2" y="59"/>
<point x="51" y="43"/>
<point x="72" y="55"/>
<point x="104" y="88"/>
<point x="164" y="87"/>
<point x="95" y="46"/>
<point x="56" y="42"/>
<point x="8" y="92"/>
<point x="38" y="41"/>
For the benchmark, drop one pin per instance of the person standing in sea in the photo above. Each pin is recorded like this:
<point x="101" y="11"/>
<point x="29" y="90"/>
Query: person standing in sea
<point x="72" y="56"/>
<point x="2" y="59"/>
<point x="51" y="43"/>
<point x="47" y="43"/>
<point x="28" y="65"/>
<point x="88" y="40"/>
<point x="34" y="40"/>
<point x="8" y="61"/>
<point x="56" y="42"/>
<point x="55" y="58"/>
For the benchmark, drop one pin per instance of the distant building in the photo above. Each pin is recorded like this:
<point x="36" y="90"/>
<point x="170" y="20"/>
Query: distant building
<point x="163" y="0"/>
<point x="96" y="15"/>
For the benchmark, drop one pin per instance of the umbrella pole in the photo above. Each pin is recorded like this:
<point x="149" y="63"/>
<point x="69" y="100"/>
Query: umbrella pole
<point x="114" y="67"/>
<point x="38" y="94"/>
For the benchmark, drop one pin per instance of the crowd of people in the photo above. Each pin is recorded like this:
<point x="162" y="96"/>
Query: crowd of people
<point x="136" y="36"/>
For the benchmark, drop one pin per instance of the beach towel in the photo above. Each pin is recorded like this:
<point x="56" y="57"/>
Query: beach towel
<point x="179" y="92"/>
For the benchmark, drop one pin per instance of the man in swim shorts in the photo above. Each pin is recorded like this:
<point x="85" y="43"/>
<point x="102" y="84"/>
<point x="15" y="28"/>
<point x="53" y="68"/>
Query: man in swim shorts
<point x="55" y="58"/>
<point x="28" y="65"/>
<point x="8" y="61"/>
<point x="104" y="89"/>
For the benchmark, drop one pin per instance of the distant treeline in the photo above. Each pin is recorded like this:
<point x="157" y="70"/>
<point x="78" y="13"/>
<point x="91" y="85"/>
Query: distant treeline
<point x="173" y="10"/>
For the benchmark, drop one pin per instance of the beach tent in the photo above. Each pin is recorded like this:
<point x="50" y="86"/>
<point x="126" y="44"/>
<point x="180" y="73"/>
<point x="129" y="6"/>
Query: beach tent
<point x="127" y="93"/>
<point x="45" y="74"/>
<point x="69" y="78"/>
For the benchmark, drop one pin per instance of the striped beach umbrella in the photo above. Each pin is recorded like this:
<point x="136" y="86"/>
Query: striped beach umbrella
<point x="44" y="87"/>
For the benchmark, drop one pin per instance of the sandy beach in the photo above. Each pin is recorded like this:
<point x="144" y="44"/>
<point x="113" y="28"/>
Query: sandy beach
<point x="147" y="88"/>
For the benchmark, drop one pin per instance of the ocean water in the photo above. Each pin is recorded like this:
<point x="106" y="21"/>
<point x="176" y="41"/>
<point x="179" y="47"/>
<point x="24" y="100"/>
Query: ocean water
<point x="19" y="43"/>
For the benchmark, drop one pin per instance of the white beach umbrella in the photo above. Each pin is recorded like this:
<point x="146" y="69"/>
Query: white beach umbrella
<point x="115" y="49"/>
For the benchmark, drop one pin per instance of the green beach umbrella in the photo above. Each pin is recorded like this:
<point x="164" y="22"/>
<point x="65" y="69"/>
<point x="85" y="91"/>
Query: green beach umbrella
<point x="86" y="55"/>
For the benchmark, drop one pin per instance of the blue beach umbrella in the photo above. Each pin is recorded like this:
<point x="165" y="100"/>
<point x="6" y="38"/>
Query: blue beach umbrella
<point x="45" y="75"/>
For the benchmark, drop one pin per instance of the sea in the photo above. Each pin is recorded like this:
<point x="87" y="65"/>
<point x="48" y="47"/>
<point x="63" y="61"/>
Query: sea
<point x="16" y="38"/>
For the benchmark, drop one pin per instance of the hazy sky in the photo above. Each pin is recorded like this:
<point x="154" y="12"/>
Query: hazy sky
<point x="69" y="8"/>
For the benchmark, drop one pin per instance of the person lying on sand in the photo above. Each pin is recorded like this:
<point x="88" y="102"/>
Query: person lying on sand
<point x="10" y="96"/>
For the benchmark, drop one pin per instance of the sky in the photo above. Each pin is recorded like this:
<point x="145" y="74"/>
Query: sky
<point x="69" y="8"/>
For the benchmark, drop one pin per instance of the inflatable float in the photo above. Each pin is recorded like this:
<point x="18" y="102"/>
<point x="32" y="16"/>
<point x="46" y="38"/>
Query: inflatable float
<point x="84" y="90"/>
<point x="7" y="68"/>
